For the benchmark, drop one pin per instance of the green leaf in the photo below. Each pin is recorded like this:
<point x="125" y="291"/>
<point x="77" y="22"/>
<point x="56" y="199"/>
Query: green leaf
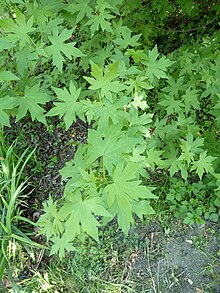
<point x="68" y="107"/>
<point x="20" y="29"/>
<point x="125" y="190"/>
<point x="6" y="103"/>
<point x="61" y="244"/>
<point x="105" y="82"/>
<point x="7" y="76"/>
<point x="58" y="47"/>
<point x="110" y="147"/>
<point x="5" y="44"/>
<point x="81" y="8"/>
<point x="153" y="158"/>
<point x="101" y="17"/>
<point x="156" y="68"/>
<point x="138" y="102"/>
<point x="110" y="111"/>
<point x="190" y="100"/>
<point x="190" y="147"/>
<point x="78" y="214"/>
<point x="126" y="39"/>
<point x="33" y="96"/>
<point x="141" y="208"/>
<point x="204" y="164"/>
<point x="172" y="105"/>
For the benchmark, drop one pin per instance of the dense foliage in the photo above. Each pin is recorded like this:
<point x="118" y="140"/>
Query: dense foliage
<point x="145" y="77"/>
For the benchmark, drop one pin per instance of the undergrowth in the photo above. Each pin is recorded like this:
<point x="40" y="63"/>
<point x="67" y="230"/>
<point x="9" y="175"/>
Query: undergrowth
<point x="144" y="77"/>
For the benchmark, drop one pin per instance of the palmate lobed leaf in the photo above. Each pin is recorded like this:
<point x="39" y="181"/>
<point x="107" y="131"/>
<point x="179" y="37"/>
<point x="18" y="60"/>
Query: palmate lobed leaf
<point x="156" y="68"/>
<point x="79" y="215"/>
<point x="82" y="9"/>
<point x="60" y="245"/>
<point x="59" y="47"/>
<point x="110" y="146"/>
<point x="33" y="97"/>
<point x="124" y="191"/>
<point x="68" y="106"/>
<point x="20" y="29"/>
<point x="104" y="81"/>
<point x="204" y="164"/>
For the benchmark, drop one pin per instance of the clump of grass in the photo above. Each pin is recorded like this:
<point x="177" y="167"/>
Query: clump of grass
<point x="12" y="189"/>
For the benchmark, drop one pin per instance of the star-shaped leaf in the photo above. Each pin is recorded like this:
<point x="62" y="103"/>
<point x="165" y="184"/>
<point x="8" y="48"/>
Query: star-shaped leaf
<point x="79" y="214"/>
<point x="19" y="29"/>
<point x="104" y="81"/>
<point x="125" y="190"/>
<point x="190" y="99"/>
<point x="82" y="9"/>
<point x="204" y="164"/>
<point x="156" y="68"/>
<point x="67" y="107"/>
<point x="172" y="105"/>
<point x="61" y="244"/>
<point x="126" y="38"/>
<point x="59" y="47"/>
<point x="31" y="100"/>
<point x="110" y="146"/>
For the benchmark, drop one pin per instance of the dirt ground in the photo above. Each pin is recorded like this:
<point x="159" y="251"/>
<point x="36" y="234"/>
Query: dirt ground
<point x="186" y="260"/>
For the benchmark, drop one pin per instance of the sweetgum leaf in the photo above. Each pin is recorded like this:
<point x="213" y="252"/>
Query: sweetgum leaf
<point x="124" y="191"/>
<point x="104" y="81"/>
<point x="61" y="244"/>
<point x="58" y="47"/>
<point x="68" y="106"/>
<point x="126" y="39"/>
<point x="33" y="97"/>
<point x="19" y="29"/>
<point x="110" y="147"/>
<point x="79" y="214"/>
<point x="204" y="164"/>
<point x="156" y="68"/>
<point x="82" y="9"/>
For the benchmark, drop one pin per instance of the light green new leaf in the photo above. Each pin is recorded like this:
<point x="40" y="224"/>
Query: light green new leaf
<point x="33" y="96"/>
<point x="68" y="107"/>
<point x="156" y="68"/>
<point x="20" y="29"/>
<point x="6" y="103"/>
<point x="138" y="102"/>
<point x="110" y="147"/>
<point x="61" y="245"/>
<point x="58" y="47"/>
<point x="204" y="164"/>
<point x="79" y="214"/>
<point x="104" y="81"/>
<point x="125" y="190"/>
<point x="50" y="222"/>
